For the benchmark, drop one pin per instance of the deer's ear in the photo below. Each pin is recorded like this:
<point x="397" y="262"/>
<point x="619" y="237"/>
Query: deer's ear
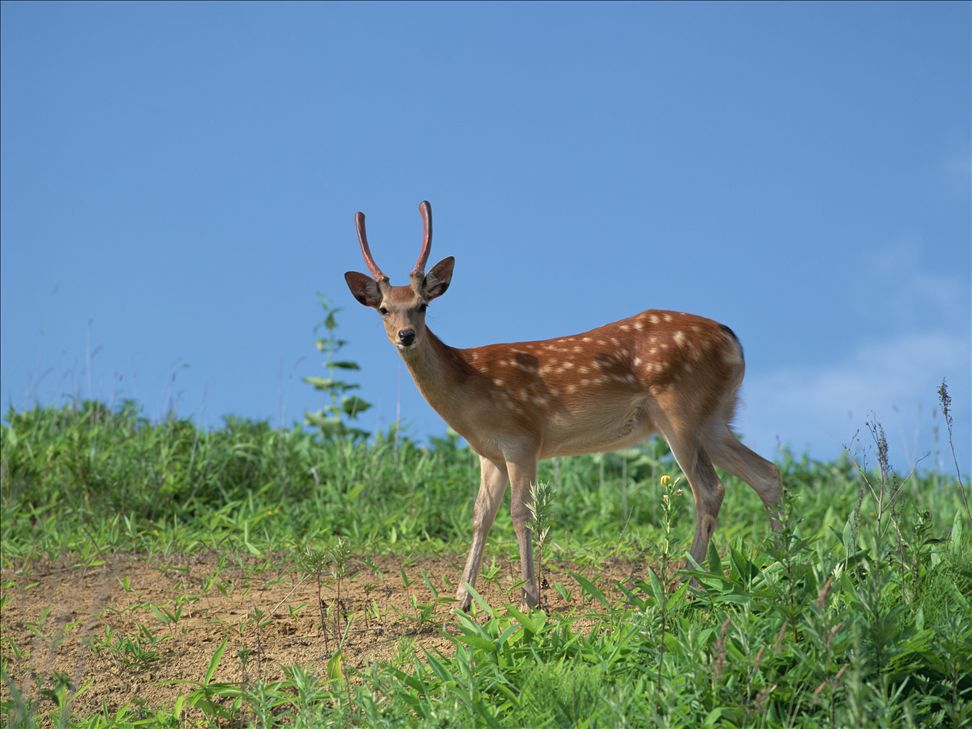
<point x="438" y="279"/>
<point x="363" y="288"/>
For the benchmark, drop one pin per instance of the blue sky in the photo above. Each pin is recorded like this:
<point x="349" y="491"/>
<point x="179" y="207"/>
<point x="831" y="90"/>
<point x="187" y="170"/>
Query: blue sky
<point x="179" y="179"/>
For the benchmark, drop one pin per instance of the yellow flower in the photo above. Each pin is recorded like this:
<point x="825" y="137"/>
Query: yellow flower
<point x="665" y="480"/>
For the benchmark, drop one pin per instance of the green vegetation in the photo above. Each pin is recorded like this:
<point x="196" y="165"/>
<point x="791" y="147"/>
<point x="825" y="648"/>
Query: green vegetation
<point x="332" y="419"/>
<point x="859" y="613"/>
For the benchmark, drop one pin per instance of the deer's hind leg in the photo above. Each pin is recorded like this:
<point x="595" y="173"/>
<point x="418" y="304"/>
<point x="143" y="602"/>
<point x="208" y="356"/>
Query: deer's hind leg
<point x="729" y="453"/>
<point x="707" y="489"/>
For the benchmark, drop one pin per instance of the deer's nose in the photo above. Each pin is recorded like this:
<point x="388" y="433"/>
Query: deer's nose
<point x="406" y="336"/>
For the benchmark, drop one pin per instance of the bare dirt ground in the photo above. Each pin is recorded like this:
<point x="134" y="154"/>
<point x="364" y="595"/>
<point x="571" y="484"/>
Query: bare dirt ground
<point x="55" y="616"/>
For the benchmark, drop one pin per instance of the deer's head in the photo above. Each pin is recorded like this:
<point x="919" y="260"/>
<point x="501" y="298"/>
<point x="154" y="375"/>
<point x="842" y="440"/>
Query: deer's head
<point x="402" y="308"/>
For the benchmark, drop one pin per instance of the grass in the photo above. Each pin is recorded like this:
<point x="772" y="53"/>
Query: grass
<point x="856" y="614"/>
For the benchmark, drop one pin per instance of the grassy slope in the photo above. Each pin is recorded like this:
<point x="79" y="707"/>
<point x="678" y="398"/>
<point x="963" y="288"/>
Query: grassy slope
<point x="858" y="615"/>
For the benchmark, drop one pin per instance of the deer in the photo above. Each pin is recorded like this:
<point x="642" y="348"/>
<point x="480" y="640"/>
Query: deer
<point x="609" y="388"/>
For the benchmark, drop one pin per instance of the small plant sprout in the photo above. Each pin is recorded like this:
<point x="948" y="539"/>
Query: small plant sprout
<point x="339" y="557"/>
<point x="660" y="575"/>
<point x="136" y="651"/>
<point x="539" y="506"/>
<point x="492" y="571"/>
<point x="669" y="541"/>
<point x="313" y="562"/>
<point x="335" y="559"/>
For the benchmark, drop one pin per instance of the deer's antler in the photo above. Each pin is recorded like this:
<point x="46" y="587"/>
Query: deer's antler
<point x="376" y="274"/>
<point x="419" y="270"/>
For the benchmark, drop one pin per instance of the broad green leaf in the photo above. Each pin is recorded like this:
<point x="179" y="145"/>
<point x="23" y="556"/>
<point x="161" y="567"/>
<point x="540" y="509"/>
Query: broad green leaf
<point x="354" y="405"/>
<point x="214" y="662"/>
<point x="335" y="668"/>
<point x="591" y="589"/>
<point x="955" y="541"/>
<point x="529" y="624"/>
<point x="657" y="591"/>
<point x="476" y="641"/>
<point x="715" y="564"/>
<point x="480" y="601"/>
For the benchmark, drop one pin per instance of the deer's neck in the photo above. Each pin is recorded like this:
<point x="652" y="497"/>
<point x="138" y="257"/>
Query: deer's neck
<point x="439" y="371"/>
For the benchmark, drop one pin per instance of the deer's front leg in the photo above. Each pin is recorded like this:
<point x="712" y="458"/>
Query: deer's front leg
<point x="492" y="486"/>
<point x="522" y="476"/>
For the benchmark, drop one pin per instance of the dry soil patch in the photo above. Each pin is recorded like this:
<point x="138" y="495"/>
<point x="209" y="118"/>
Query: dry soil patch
<point x="55" y="617"/>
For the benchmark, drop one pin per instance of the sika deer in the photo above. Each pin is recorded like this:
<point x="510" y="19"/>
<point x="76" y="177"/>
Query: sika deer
<point x="608" y="388"/>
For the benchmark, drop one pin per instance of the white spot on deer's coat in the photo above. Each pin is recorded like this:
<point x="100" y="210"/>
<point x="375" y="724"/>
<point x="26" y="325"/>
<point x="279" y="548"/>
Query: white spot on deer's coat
<point x="586" y="339"/>
<point x="624" y="327"/>
<point x="637" y="361"/>
<point x="498" y="382"/>
<point x="679" y="338"/>
<point x="653" y="318"/>
<point x="568" y="364"/>
<point x="668" y="317"/>
<point x="583" y="370"/>
<point x="571" y="389"/>
<point x="638" y="325"/>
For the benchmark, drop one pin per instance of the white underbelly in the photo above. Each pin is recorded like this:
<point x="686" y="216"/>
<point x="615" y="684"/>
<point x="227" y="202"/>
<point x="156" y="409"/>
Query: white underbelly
<point x="597" y="429"/>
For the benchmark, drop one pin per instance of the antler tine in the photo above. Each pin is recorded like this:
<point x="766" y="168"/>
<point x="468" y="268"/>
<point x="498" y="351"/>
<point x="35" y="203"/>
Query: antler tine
<point x="426" y="210"/>
<point x="376" y="273"/>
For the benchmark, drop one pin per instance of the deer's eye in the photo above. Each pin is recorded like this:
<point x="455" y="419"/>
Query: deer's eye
<point x="383" y="311"/>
